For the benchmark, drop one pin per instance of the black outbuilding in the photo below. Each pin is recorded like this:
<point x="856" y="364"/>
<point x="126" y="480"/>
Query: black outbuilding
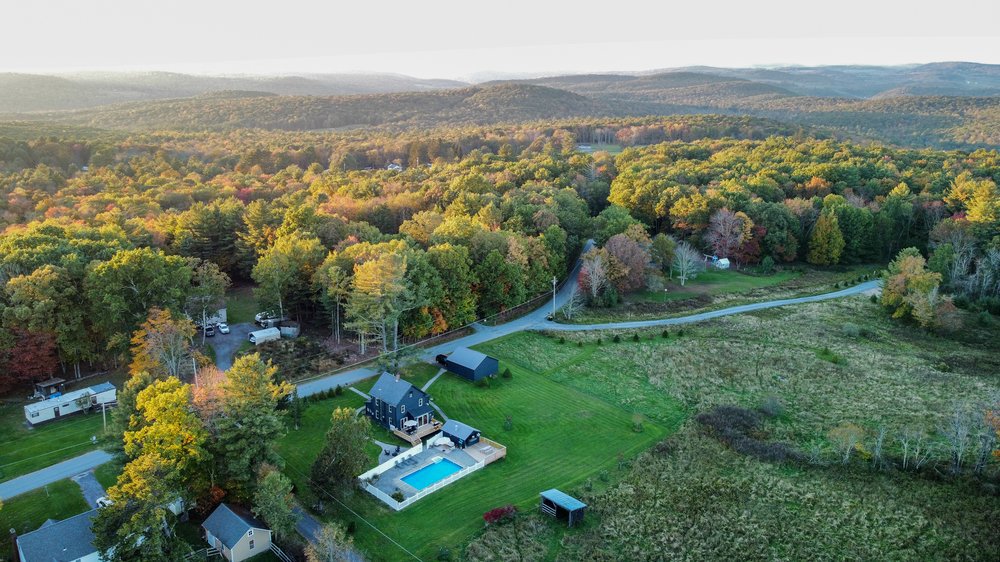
<point x="460" y="434"/>
<point x="470" y="364"/>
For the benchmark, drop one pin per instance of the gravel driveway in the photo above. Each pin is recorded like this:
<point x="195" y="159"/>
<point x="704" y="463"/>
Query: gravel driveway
<point x="225" y="345"/>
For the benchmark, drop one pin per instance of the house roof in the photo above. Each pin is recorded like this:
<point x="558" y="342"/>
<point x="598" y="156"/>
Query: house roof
<point x="229" y="523"/>
<point x="564" y="501"/>
<point x="388" y="389"/>
<point x="458" y="429"/>
<point x="62" y="541"/>
<point x="466" y="357"/>
<point x="103" y="387"/>
<point x="50" y="382"/>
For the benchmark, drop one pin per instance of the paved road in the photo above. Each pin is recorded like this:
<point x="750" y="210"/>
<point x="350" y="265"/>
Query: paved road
<point x="537" y="320"/>
<point x="225" y="345"/>
<point x="92" y="489"/>
<point x="310" y="528"/>
<point x="48" y="475"/>
<point x="855" y="290"/>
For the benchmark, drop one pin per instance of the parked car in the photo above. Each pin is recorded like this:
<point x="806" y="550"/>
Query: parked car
<point x="223" y="328"/>
<point x="209" y="331"/>
<point x="266" y="315"/>
<point x="104" y="501"/>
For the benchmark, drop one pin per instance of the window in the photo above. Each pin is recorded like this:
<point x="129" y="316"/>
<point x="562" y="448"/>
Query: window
<point x="34" y="414"/>
<point x="402" y="409"/>
<point x="420" y="402"/>
<point x="251" y="544"/>
<point x="250" y="533"/>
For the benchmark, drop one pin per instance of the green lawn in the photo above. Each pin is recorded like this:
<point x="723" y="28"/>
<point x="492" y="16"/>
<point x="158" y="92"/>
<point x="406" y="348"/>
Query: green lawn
<point x="562" y="437"/>
<point x="241" y="306"/>
<point x="107" y="474"/>
<point x="27" y="512"/>
<point x="716" y="282"/>
<point x="24" y="450"/>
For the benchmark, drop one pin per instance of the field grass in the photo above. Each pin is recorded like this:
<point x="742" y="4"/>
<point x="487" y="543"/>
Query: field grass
<point x="693" y="498"/>
<point x="714" y="289"/>
<point x="241" y="306"/>
<point x="561" y="437"/>
<point x="27" y="512"/>
<point x="24" y="450"/>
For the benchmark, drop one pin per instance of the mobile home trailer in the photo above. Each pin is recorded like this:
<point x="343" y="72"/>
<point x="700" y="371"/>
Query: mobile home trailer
<point x="70" y="403"/>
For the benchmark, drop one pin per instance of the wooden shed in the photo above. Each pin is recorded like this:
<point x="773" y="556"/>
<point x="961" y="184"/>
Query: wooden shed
<point x="562" y="506"/>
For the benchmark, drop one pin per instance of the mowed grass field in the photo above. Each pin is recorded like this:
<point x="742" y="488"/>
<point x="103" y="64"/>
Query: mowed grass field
<point x="561" y="437"/>
<point x="24" y="450"/>
<point x="27" y="512"/>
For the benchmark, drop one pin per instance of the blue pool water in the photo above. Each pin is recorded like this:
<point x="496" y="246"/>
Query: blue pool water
<point x="431" y="474"/>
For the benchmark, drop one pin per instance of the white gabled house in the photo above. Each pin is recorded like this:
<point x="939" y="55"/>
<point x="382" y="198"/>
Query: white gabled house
<point x="70" y="403"/>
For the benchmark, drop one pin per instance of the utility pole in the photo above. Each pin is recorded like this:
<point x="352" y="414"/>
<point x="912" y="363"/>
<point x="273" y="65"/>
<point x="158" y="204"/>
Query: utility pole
<point x="554" y="281"/>
<point x="194" y="365"/>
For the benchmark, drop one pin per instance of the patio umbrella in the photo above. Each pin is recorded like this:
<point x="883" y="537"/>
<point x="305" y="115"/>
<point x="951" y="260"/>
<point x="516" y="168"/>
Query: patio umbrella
<point x="410" y="423"/>
<point x="443" y="442"/>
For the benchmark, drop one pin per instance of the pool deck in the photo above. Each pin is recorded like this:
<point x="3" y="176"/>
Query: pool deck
<point x="392" y="479"/>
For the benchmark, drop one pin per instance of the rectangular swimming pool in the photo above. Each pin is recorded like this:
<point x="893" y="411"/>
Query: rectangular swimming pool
<point x="431" y="474"/>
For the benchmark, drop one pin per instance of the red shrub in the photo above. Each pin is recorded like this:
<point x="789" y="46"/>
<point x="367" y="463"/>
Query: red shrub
<point x="500" y="514"/>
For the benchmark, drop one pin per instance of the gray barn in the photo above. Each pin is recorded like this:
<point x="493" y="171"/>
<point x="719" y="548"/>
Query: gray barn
<point x="470" y="364"/>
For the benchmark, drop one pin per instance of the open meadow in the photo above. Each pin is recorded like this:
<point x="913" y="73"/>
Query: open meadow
<point x="803" y="372"/>
<point x="713" y="289"/>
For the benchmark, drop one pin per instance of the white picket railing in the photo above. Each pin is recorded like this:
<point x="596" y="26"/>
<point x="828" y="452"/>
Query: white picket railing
<point x="397" y="505"/>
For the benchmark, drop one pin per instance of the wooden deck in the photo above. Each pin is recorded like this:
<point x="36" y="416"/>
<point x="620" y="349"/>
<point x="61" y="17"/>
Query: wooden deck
<point x="421" y="432"/>
<point x="487" y="450"/>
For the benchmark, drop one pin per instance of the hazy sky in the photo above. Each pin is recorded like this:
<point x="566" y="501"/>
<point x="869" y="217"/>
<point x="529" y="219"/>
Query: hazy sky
<point x="457" y="39"/>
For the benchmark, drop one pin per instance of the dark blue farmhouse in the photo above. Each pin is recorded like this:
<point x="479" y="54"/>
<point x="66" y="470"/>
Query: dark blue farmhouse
<point x="460" y="434"/>
<point x="470" y="364"/>
<point x="393" y="402"/>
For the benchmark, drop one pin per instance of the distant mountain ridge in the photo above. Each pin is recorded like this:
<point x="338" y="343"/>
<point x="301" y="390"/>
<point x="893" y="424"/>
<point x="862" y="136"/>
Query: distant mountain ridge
<point x="241" y="109"/>
<point x="942" y="105"/>
<point x="23" y="93"/>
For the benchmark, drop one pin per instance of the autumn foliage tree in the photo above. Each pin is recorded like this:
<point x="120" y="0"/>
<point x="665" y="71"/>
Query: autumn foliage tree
<point x="727" y="231"/>
<point x="162" y="345"/>
<point x="30" y="357"/>
<point x="630" y="258"/>
<point x="910" y="290"/>
<point x="827" y="242"/>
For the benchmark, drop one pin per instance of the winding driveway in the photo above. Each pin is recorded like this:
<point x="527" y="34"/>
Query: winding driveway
<point x="537" y="320"/>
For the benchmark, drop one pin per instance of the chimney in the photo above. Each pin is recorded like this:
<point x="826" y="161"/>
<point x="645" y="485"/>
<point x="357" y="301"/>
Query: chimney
<point x="397" y="377"/>
<point x="16" y="556"/>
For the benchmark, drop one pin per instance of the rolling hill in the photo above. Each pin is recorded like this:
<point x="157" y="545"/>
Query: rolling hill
<point x="20" y="93"/>
<point x="234" y="110"/>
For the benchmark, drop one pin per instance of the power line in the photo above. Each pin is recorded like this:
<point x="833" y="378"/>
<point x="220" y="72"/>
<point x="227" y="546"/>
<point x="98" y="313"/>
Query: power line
<point x="356" y="514"/>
